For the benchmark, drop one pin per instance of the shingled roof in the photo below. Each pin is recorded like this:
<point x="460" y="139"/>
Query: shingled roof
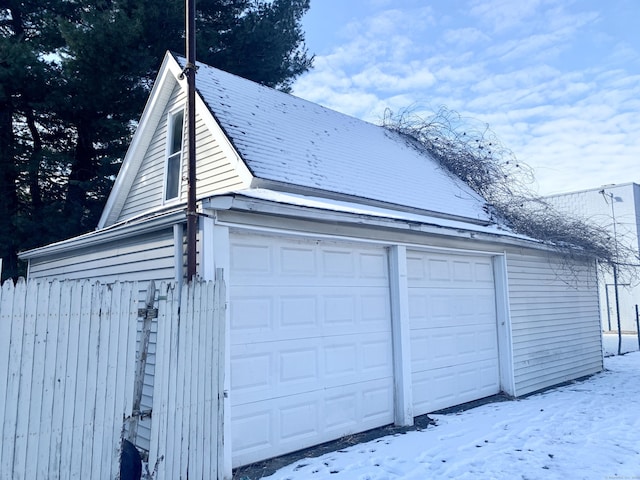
<point x="297" y="143"/>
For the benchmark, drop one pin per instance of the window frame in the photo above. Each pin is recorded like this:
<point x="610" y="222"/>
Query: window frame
<point x="171" y="155"/>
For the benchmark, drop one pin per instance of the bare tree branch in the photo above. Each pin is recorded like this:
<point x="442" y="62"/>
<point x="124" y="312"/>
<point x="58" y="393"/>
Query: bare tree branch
<point x="475" y="155"/>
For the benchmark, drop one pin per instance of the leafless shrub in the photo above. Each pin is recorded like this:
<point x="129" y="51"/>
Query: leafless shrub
<point x="477" y="157"/>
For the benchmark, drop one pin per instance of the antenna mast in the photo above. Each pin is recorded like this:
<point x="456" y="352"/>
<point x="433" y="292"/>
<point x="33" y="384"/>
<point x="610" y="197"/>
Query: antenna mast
<point x="190" y="72"/>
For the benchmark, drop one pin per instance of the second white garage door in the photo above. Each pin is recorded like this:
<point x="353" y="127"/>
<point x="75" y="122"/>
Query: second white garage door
<point x="454" y="342"/>
<point x="311" y="355"/>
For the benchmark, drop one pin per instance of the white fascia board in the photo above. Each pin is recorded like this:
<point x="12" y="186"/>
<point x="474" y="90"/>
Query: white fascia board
<point x="425" y="225"/>
<point x="114" y="232"/>
<point x="169" y="70"/>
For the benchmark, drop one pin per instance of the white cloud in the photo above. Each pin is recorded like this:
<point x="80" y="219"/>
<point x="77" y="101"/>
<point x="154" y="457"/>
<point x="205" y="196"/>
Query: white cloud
<point x="524" y="68"/>
<point x="465" y="37"/>
<point x="504" y="14"/>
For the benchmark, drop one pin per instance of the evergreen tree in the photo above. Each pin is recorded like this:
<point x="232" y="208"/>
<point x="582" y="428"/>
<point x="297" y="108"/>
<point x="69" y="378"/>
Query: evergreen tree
<point x="74" y="76"/>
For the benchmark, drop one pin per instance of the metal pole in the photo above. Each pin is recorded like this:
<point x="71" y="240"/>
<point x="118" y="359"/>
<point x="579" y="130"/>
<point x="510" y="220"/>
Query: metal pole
<point x="637" y="326"/>
<point x="606" y="296"/>
<point x="615" y="265"/>
<point x="190" y="72"/>
<point x="615" y="283"/>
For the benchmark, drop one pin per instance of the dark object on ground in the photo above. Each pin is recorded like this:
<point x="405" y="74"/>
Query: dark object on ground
<point x="130" y="462"/>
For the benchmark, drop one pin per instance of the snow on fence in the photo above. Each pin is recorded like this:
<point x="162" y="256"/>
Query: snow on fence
<point x="65" y="379"/>
<point x="68" y="374"/>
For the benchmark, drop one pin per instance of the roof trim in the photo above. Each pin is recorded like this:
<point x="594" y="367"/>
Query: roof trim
<point x="321" y="209"/>
<point x="261" y="184"/>
<point x="109" y="234"/>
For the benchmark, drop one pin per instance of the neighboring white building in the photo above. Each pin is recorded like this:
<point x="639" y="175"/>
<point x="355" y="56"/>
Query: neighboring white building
<point x="617" y="208"/>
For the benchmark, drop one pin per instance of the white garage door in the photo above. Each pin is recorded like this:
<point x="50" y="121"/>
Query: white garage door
<point x="454" y="343"/>
<point x="311" y="355"/>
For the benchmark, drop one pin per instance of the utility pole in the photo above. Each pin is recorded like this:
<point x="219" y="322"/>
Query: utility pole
<point x="615" y="266"/>
<point x="190" y="72"/>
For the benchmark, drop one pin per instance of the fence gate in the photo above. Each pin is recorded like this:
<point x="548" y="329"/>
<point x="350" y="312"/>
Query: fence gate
<point x="186" y="424"/>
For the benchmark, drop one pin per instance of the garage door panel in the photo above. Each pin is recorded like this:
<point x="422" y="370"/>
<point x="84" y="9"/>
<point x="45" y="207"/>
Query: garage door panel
<point x="444" y="387"/>
<point x="277" y="369"/>
<point x="298" y="421"/>
<point x="280" y="313"/>
<point x="299" y="261"/>
<point x="434" y="308"/>
<point x="431" y="345"/>
<point x="439" y="270"/>
<point x="311" y="351"/>
<point x="454" y="345"/>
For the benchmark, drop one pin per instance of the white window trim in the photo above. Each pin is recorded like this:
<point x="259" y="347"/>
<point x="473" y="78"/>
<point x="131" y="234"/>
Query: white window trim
<point x="169" y="140"/>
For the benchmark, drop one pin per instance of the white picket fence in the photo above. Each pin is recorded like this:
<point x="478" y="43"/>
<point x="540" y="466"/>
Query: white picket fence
<point x="187" y="420"/>
<point x="68" y="370"/>
<point x="65" y="348"/>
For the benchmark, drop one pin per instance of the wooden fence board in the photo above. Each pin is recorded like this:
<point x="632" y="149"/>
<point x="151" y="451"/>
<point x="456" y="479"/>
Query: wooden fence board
<point x="65" y="351"/>
<point x="37" y="309"/>
<point x="68" y="371"/>
<point x="186" y="432"/>
<point x="46" y="436"/>
<point x="25" y="368"/>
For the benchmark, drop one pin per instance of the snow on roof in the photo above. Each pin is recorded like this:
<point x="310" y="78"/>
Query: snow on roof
<point x="372" y="211"/>
<point x="288" y="140"/>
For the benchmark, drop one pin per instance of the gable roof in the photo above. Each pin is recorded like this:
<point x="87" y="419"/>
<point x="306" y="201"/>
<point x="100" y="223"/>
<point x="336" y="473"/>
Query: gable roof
<point x="290" y="144"/>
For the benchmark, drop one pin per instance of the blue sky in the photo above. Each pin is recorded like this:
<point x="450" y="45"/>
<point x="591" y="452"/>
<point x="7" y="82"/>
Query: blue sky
<point x="558" y="81"/>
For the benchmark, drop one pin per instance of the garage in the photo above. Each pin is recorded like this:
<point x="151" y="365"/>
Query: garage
<point x="453" y="329"/>
<point x="311" y="350"/>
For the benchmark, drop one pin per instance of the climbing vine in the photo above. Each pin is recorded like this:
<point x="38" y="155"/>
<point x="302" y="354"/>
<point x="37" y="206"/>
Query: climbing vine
<point x="475" y="155"/>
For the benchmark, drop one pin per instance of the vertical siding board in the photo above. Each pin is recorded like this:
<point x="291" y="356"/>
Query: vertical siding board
<point x="23" y="427"/>
<point x="15" y="309"/>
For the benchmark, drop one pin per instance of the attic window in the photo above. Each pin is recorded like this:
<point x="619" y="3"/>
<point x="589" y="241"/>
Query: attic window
<point x="174" y="156"/>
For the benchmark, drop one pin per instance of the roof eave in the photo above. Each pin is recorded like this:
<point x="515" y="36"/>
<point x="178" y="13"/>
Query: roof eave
<point x="109" y="234"/>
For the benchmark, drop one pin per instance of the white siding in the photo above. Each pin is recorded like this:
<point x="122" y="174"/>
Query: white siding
<point x="147" y="189"/>
<point x="554" y="319"/>
<point x="141" y="258"/>
<point x="215" y="171"/>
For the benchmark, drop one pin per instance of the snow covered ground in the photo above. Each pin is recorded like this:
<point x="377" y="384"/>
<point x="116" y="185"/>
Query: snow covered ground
<point x="585" y="430"/>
